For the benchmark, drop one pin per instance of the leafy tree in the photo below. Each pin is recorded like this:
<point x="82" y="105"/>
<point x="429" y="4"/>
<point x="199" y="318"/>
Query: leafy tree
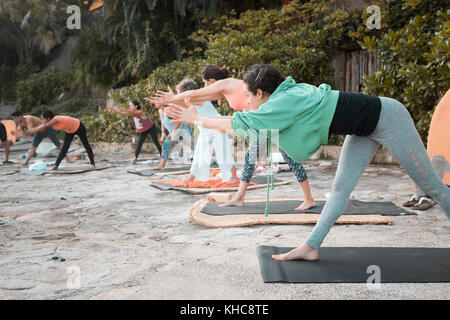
<point x="415" y="66"/>
<point x="29" y="30"/>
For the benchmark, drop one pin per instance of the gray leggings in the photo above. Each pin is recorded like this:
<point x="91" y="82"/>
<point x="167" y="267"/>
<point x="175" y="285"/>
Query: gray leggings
<point x="396" y="131"/>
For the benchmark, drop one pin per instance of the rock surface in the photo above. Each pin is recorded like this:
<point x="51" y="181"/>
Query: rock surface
<point x="116" y="237"/>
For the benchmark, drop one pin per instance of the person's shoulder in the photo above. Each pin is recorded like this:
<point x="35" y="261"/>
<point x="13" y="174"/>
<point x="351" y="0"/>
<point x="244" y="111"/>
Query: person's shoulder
<point x="31" y="118"/>
<point x="228" y="82"/>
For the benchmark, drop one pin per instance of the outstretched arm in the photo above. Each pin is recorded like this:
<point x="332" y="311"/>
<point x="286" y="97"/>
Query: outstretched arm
<point x="127" y="112"/>
<point x="213" y="92"/>
<point x="40" y="128"/>
<point x="189" y="115"/>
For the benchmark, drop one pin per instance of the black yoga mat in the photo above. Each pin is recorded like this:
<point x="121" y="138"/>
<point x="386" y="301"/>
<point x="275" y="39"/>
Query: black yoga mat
<point x="120" y="162"/>
<point x="358" y="265"/>
<point x="150" y="172"/>
<point x="263" y="180"/>
<point x="145" y="173"/>
<point x="162" y="186"/>
<point x="129" y="161"/>
<point x="354" y="207"/>
<point x="69" y="169"/>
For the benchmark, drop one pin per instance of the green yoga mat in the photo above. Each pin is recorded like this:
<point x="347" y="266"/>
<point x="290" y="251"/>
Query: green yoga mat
<point x="354" y="207"/>
<point x="358" y="265"/>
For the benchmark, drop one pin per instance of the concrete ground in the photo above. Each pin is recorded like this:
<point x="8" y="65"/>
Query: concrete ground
<point x="109" y="235"/>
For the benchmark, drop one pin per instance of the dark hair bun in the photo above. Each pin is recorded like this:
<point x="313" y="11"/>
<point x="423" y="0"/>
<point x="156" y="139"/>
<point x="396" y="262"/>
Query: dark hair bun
<point x="264" y="77"/>
<point x="215" y="72"/>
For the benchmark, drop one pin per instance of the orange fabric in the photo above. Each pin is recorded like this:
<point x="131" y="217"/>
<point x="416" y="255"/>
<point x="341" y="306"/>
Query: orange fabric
<point x="215" y="172"/>
<point x="68" y="124"/>
<point x="10" y="125"/>
<point x="439" y="134"/>
<point x="212" y="183"/>
<point x="97" y="4"/>
<point x="238" y="100"/>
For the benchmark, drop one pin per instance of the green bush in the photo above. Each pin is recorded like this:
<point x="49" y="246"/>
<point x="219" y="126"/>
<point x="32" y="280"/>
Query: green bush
<point x="8" y="81"/>
<point x="280" y="37"/>
<point x="41" y="88"/>
<point x="75" y="103"/>
<point x="301" y="39"/>
<point x="300" y="48"/>
<point x="415" y="66"/>
<point x="10" y="75"/>
<point x="107" y="126"/>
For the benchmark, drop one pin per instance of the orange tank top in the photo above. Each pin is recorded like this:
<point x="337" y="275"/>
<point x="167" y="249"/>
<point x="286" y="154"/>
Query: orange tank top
<point x="238" y="100"/>
<point x="68" y="124"/>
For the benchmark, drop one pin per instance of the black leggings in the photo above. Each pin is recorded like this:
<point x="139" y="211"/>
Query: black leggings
<point x="143" y="135"/>
<point x="68" y="138"/>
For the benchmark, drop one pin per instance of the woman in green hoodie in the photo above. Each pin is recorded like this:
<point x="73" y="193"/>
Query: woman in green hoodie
<point x="306" y="115"/>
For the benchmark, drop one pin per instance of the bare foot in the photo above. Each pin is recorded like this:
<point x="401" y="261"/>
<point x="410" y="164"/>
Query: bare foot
<point x="304" y="252"/>
<point x="190" y="178"/>
<point x="92" y="166"/>
<point x="307" y="204"/>
<point x="134" y="161"/>
<point x="158" y="168"/>
<point x="232" y="180"/>
<point x="233" y="202"/>
<point x="54" y="168"/>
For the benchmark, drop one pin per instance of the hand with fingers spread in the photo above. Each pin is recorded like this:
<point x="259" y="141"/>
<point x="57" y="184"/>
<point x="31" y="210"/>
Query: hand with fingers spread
<point x="183" y="115"/>
<point x="162" y="97"/>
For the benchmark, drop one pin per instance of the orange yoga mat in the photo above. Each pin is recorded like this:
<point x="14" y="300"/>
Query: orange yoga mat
<point x="212" y="183"/>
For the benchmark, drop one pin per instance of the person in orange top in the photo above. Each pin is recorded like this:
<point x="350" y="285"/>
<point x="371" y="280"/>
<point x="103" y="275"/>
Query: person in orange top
<point x="70" y="126"/>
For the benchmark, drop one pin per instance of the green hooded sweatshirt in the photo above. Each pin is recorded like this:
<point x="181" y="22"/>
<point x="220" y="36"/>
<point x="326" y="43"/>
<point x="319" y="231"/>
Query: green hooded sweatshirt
<point x="301" y="112"/>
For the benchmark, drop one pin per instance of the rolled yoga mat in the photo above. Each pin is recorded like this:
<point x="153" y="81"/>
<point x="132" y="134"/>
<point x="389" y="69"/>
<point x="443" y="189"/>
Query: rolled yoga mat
<point x="354" y="207"/>
<point x="357" y="265"/>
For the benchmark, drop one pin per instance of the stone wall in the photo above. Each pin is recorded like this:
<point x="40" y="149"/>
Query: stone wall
<point x="382" y="156"/>
<point x="6" y="110"/>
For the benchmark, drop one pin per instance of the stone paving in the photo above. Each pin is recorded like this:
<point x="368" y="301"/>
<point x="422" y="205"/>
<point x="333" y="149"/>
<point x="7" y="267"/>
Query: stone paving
<point x="109" y="235"/>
